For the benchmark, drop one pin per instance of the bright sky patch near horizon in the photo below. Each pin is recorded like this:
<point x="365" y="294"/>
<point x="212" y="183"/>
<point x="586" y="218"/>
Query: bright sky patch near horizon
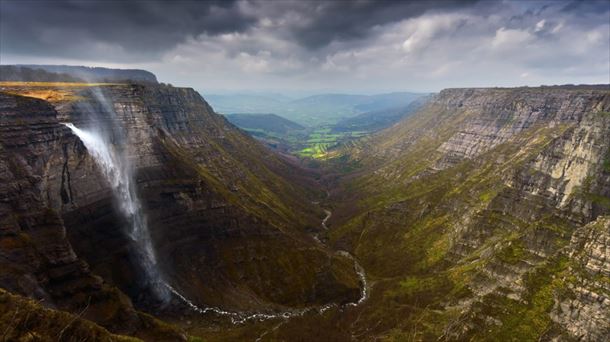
<point x="319" y="46"/>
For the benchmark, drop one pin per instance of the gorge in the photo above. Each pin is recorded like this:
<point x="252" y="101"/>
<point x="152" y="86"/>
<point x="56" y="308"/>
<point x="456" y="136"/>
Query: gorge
<point x="118" y="173"/>
<point x="305" y="171"/>
<point x="486" y="210"/>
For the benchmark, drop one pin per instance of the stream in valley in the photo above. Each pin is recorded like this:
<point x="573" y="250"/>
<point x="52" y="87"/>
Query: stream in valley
<point x="239" y="317"/>
<point x="119" y="173"/>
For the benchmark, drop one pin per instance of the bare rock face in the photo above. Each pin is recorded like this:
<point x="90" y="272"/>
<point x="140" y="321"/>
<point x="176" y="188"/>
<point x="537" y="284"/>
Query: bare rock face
<point x="229" y="224"/>
<point x="37" y="260"/>
<point x="584" y="309"/>
<point x="493" y="116"/>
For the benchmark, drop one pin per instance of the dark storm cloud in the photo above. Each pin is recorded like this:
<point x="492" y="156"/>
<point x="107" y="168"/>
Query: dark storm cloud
<point x="66" y="27"/>
<point x="139" y="30"/>
<point x="345" y="20"/>
<point x="343" y="44"/>
<point x="591" y="6"/>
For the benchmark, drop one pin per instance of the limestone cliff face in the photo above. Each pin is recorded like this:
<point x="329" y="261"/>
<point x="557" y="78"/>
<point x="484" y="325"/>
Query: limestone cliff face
<point x="496" y="115"/>
<point x="36" y="258"/>
<point x="584" y="308"/>
<point x="229" y="227"/>
<point x="490" y="195"/>
<point x="229" y="220"/>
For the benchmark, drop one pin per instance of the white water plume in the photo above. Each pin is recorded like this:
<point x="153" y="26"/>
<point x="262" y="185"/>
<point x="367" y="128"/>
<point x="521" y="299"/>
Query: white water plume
<point x="119" y="173"/>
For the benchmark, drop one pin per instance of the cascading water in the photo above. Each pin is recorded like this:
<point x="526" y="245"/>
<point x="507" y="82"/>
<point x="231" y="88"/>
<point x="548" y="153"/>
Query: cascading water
<point x="119" y="173"/>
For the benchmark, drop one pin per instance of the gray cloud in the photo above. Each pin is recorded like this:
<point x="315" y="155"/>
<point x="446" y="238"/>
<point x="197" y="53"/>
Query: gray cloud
<point x="146" y="28"/>
<point x="328" y="45"/>
<point x="128" y="29"/>
<point x="347" y="20"/>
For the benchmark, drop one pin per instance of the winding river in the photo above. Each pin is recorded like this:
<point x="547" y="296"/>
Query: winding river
<point x="239" y="317"/>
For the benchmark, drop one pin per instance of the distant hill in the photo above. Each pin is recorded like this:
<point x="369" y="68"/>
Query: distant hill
<point x="385" y="101"/>
<point x="247" y="103"/>
<point x="311" y="111"/>
<point x="267" y="122"/>
<point x="378" y="119"/>
<point x="332" y="100"/>
<point x="68" y="73"/>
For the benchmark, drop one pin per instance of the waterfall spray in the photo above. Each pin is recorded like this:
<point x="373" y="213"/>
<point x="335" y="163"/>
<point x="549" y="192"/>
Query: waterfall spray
<point x="119" y="173"/>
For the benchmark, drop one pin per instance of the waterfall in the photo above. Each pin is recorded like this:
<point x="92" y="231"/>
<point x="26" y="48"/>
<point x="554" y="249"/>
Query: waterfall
<point x="119" y="173"/>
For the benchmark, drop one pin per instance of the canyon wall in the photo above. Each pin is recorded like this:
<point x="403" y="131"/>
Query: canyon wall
<point x="498" y="200"/>
<point x="229" y="220"/>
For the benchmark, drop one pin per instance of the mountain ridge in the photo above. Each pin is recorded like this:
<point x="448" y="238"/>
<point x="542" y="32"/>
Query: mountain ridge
<point x="477" y="195"/>
<point x="71" y="73"/>
<point x="311" y="110"/>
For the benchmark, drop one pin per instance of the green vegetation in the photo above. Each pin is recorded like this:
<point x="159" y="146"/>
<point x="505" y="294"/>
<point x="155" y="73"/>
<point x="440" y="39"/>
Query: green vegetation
<point x="526" y="320"/>
<point x="287" y="136"/>
<point x="322" y="139"/>
<point x="411" y="222"/>
<point x="23" y="319"/>
<point x="513" y="253"/>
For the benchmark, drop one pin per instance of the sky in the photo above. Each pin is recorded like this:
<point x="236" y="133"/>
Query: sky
<point x="288" y="46"/>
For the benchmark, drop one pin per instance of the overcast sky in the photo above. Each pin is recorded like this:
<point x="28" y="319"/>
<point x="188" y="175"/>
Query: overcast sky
<point x="319" y="46"/>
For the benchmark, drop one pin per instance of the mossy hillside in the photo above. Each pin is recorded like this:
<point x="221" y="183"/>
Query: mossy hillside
<point x="406" y="240"/>
<point x="424" y="203"/>
<point x="417" y="149"/>
<point x="252" y="195"/>
<point x="418" y="140"/>
<point x="365" y="191"/>
<point x="511" y="239"/>
<point x="427" y="301"/>
<point x="526" y="319"/>
<point x="238" y="163"/>
<point x="299" y="266"/>
<point x="23" y="319"/>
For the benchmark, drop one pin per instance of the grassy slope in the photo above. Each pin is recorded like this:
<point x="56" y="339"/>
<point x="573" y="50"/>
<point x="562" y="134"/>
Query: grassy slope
<point x="26" y="320"/>
<point x="405" y="224"/>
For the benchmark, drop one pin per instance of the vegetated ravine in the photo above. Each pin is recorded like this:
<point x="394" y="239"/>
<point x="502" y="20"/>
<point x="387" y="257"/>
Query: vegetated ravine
<point x="119" y="175"/>
<point x="484" y="215"/>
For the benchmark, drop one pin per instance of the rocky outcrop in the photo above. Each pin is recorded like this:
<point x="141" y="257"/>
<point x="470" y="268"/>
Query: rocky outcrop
<point x="494" y="116"/>
<point x="583" y="309"/>
<point x="70" y="73"/>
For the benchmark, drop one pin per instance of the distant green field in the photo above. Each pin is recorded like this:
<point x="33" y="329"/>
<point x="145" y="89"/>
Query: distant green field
<point x="314" y="144"/>
<point x="320" y="140"/>
<point x="284" y="136"/>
